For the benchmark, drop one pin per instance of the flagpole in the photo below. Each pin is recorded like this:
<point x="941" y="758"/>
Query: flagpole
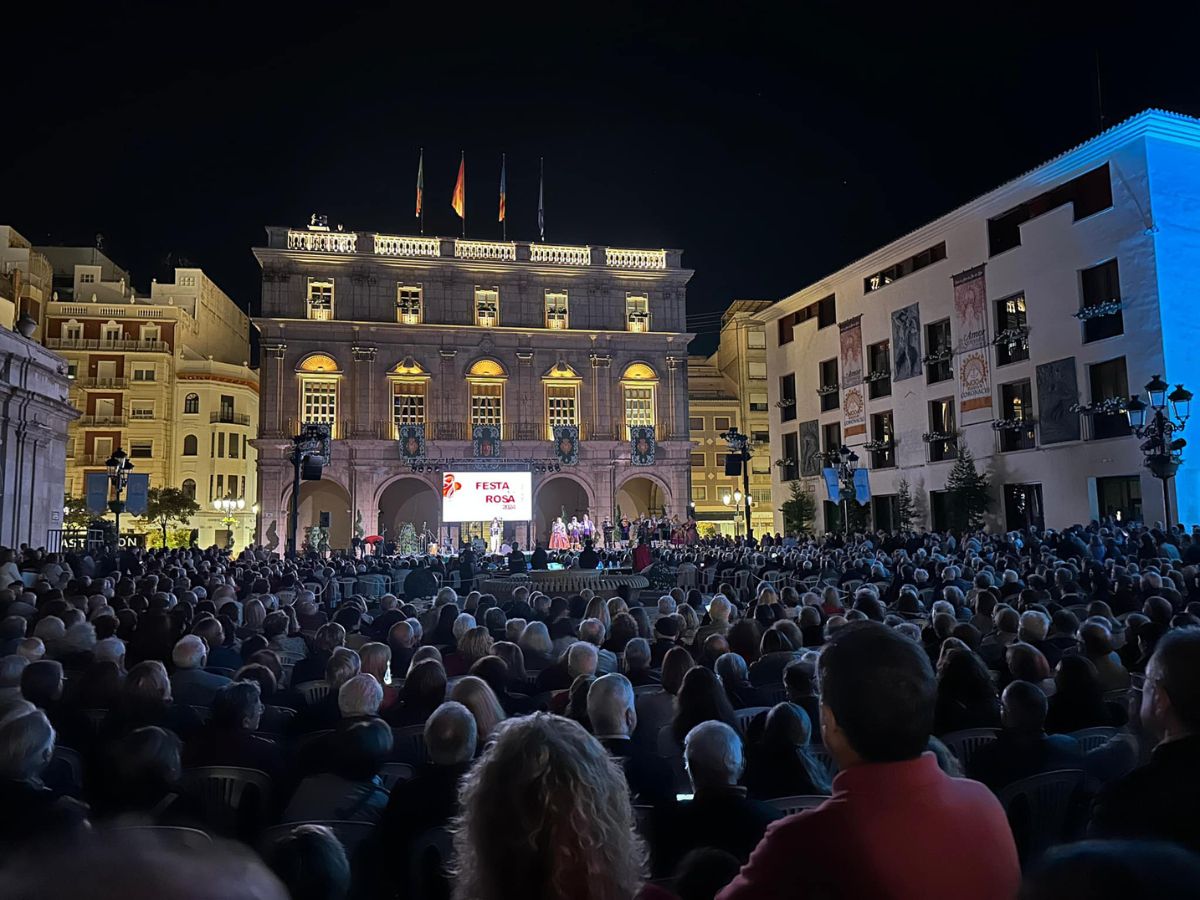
<point x="421" y="189"/>
<point x="462" y="160"/>
<point x="503" y="188"/>
<point x="541" y="199"/>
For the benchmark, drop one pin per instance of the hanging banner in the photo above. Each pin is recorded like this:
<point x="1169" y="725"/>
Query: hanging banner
<point x="137" y="489"/>
<point x="810" y="448"/>
<point x="970" y="320"/>
<point x="642" y="445"/>
<point x="906" y="342"/>
<point x="862" y="486"/>
<point x="485" y="441"/>
<point x="831" y="484"/>
<point x="97" y="493"/>
<point x="412" y="442"/>
<point x="566" y="444"/>
<point x="1058" y="391"/>
<point x="854" y="407"/>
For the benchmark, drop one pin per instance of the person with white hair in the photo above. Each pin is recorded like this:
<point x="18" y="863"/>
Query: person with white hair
<point x="592" y="631"/>
<point x="359" y="697"/>
<point x="719" y="813"/>
<point x="666" y="605"/>
<point x="190" y="684"/>
<point x="32" y="811"/>
<point x="720" y="614"/>
<point x="637" y="663"/>
<point x="612" y="713"/>
<point x="12" y="667"/>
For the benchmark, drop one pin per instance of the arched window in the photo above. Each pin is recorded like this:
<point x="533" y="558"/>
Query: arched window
<point x="319" y="374"/>
<point x="562" y="396"/>
<point x="486" y="381"/>
<point x="189" y="446"/>
<point x="191" y="403"/>
<point x="637" y="387"/>
<point x="189" y="486"/>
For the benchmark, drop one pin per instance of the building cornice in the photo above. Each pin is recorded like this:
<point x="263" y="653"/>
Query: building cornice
<point x="1151" y="123"/>
<point x="431" y="328"/>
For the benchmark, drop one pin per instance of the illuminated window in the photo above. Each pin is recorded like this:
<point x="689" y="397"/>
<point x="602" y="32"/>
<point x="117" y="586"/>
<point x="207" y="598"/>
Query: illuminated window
<point x="318" y="401"/>
<point x="487" y="404"/>
<point x="408" y="304"/>
<point x="1012" y="325"/>
<point x="320" y="299"/>
<point x="637" y="384"/>
<point x="637" y="312"/>
<point x="562" y="405"/>
<point x="556" y="309"/>
<point x="487" y="307"/>
<point x="408" y="402"/>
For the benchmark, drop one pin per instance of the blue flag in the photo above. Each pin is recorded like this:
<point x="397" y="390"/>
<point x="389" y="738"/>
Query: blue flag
<point x="831" y="483"/>
<point x="862" y="486"/>
<point x="96" y="491"/>
<point x="135" y="493"/>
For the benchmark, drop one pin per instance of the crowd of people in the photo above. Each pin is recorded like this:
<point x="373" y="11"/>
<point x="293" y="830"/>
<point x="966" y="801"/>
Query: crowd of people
<point x="875" y="716"/>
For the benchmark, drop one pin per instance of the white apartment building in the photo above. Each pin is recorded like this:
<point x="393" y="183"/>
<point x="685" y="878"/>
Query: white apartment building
<point x="166" y="378"/>
<point x="1069" y="286"/>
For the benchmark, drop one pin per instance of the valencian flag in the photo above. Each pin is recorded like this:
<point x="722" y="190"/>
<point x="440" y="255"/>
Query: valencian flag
<point x="458" y="200"/>
<point x="420" y="183"/>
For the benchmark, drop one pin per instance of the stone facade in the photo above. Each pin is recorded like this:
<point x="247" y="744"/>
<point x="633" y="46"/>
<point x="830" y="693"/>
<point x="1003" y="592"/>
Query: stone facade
<point x="364" y="331"/>
<point x="34" y="414"/>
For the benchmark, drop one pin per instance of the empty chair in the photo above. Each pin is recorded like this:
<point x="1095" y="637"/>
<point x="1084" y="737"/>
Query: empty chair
<point x="233" y="801"/>
<point x="789" y="805"/>
<point x="1038" y="808"/>
<point x="429" y="858"/>
<point x="408" y="745"/>
<point x="1091" y="738"/>
<point x="744" y="716"/>
<point x="70" y="761"/>
<point x="963" y="744"/>
<point x="393" y="773"/>
<point x="313" y="691"/>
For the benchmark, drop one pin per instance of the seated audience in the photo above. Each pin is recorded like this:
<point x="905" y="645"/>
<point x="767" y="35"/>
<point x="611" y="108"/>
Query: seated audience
<point x="1022" y="748"/>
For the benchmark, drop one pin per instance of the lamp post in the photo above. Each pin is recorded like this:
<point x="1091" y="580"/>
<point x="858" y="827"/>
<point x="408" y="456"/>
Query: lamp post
<point x="739" y="444"/>
<point x="1163" y="451"/>
<point x="119" y="468"/>
<point x="735" y="500"/>
<point x="228" y="505"/>
<point x="844" y="461"/>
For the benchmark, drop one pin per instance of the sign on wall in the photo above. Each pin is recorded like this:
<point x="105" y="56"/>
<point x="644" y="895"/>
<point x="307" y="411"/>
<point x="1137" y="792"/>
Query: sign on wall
<point x="483" y="496"/>
<point x="854" y="407"/>
<point x="970" y="319"/>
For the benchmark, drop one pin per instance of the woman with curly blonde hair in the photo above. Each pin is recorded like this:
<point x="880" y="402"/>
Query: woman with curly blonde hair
<point x="546" y="816"/>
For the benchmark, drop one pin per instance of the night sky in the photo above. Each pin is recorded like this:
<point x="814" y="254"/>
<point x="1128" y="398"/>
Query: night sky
<point x="772" y="147"/>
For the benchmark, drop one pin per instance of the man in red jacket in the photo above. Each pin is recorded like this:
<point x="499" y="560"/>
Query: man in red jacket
<point x="896" y="825"/>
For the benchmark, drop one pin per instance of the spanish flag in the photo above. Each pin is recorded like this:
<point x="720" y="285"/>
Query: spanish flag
<point x="420" y="182"/>
<point x="458" y="201"/>
<point x="503" y="191"/>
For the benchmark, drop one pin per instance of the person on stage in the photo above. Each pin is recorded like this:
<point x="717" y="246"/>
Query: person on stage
<point x="607" y="530"/>
<point x="558" y="536"/>
<point x="573" y="532"/>
<point x="587" y="528"/>
<point x="495" y="537"/>
<point x="624" y="531"/>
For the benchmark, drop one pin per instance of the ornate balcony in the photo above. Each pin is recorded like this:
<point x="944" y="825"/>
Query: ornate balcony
<point x="560" y="255"/>
<point x="635" y="259"/>
<point x="493" y="250"/>
<point x="398" y="245"/>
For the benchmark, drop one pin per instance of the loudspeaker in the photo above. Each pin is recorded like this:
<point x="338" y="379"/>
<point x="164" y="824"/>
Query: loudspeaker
<point x="310" y="471"/>
<point x="324" y="520"/>
<point x="733" y="465"/>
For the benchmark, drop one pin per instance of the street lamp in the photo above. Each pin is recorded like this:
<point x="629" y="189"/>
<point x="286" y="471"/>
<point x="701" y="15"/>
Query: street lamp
<point x="119" y="468"/>
<point x="844" y="461"/>
<point x="1163" y="451"/>
<point x="228" y="505"/>
<point x="740" y="445"/>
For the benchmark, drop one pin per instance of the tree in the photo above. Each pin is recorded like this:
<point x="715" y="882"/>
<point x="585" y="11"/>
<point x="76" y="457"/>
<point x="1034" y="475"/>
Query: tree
<point x="905" y="506"/>
<point x="799" y="511"/>
<point x="165" y="506"/>
<point x="970" y="493"/>
<point x="76" y="515"/>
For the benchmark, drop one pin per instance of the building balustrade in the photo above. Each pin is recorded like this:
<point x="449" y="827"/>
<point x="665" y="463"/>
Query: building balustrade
<point x="105" y="384"/>
<point x="119" y="345"/>
<point x="491" y="250"/>
<point x="229" y="418"/>
<point x="112" y="421"/>
<point x="323" y="241"/>
<point x="635" y="259"/>
<point x="399" y="245"/>
<point x="560" y="255"/>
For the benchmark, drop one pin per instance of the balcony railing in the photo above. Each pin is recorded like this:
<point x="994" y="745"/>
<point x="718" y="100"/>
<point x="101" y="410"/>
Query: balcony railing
<point x="115" y="345"/>
<point x="229" y="418"/>
<point x="113" y="421"/>
<point x="323" y="241"/>
<point x="635" y="259"/>
<point x="102" y="384"/>
<point x="397" y="245"/>
<point x="494" y="250"/>
<point x="559" y="255"/>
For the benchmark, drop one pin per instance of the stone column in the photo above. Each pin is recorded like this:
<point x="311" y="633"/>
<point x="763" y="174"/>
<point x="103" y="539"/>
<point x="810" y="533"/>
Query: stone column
<point x="602" y="412"/>
<point x="270" y="389"/>
<point x="448" y="409"/>
<point x="363" y="422"/>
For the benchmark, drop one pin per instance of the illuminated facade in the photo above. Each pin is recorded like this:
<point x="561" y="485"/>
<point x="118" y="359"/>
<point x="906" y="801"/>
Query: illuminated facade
<point x="165" y="378"/>
<point x="368" y="332"/>
<point x="1071" y="285"/>
<point x="729" y="388"/>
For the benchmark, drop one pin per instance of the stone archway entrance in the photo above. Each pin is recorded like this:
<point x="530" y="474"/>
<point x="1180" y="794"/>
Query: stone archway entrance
<point x="560" y="495"/>
<point x="409" y="501"/>
<point x="324" y="501"/>
<point x="639" y="495"/>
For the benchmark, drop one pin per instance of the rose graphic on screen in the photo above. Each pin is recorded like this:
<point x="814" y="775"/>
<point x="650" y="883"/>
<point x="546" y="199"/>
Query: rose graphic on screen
<point x="449" y="485"/>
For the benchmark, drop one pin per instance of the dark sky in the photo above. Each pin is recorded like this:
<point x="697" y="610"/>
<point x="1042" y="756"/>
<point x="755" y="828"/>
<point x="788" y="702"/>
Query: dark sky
<point x="772" y="143"/>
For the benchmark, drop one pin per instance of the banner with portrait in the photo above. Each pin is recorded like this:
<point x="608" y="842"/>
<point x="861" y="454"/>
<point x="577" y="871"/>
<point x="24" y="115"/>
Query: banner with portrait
<point x="854" y="407"/>
<point x="810" y="448"/>
<point x="642" y="445"/>
<point x="970" y="327"/>
<point x="566" y="444"/>
<point x="1057" y="392"/>
<point x="412" y="442"/>
<point x="906" y="342"/>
